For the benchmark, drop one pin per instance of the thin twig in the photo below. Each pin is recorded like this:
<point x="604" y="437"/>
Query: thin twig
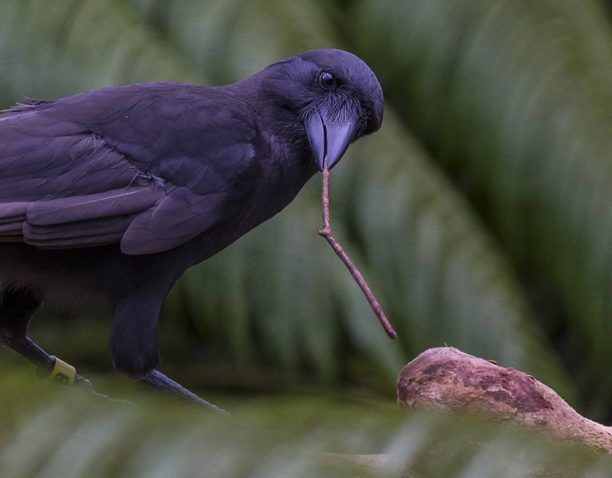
<point x="326" y="232"/>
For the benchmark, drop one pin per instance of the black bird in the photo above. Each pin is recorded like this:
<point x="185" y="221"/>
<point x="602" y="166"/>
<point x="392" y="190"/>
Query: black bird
<point x="108" y="196"/>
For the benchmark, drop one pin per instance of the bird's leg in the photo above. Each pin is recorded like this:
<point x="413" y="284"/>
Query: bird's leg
<point x="133" y="344"/>
<point x="16" y="309"/>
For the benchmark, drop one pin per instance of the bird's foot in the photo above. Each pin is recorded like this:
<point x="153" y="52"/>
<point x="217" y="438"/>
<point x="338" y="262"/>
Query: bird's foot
<point x="155" y="379"/>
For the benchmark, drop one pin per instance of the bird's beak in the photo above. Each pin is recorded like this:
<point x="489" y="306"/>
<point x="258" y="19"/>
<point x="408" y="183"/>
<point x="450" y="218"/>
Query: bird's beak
<point x="329" y="138"/>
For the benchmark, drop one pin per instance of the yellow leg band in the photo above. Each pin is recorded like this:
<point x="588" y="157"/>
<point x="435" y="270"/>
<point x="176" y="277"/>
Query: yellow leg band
<point x="62" y="372"/>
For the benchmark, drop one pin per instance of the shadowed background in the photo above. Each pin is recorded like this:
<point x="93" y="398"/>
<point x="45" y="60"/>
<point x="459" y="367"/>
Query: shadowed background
<point x="481" y="213"/>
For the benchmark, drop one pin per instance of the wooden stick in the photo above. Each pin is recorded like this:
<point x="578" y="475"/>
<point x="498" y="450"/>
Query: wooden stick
<point x="326" y="232"/>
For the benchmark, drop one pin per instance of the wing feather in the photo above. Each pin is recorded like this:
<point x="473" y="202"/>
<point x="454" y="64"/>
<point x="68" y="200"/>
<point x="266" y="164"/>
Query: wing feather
<point x="65" y="187"/>
<point x="118" y="202"/>
<point x="82" y="172"/>
<point x="175" y="220"/>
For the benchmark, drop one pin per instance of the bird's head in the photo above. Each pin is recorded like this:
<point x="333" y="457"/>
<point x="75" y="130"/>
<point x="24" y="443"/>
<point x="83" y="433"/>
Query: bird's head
<point x="334" y="94"/>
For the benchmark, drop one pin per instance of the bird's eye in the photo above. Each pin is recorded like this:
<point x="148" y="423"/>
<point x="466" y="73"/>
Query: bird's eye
<point x="327" y="81"/>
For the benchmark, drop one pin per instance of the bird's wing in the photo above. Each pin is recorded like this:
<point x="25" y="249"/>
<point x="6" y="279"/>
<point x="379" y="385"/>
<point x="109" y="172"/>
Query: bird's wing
<point x="167" y="225"/>
<point x="63" y="187"/>
<point x="66" y="183"/>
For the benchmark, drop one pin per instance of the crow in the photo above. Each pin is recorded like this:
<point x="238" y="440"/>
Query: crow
<point x="108" y="196"/>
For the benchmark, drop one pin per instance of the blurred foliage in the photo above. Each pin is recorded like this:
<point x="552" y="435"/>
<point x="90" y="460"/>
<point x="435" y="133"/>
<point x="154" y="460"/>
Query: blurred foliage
<point x="69" y="433"/>
<point x="481" y="213"/>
